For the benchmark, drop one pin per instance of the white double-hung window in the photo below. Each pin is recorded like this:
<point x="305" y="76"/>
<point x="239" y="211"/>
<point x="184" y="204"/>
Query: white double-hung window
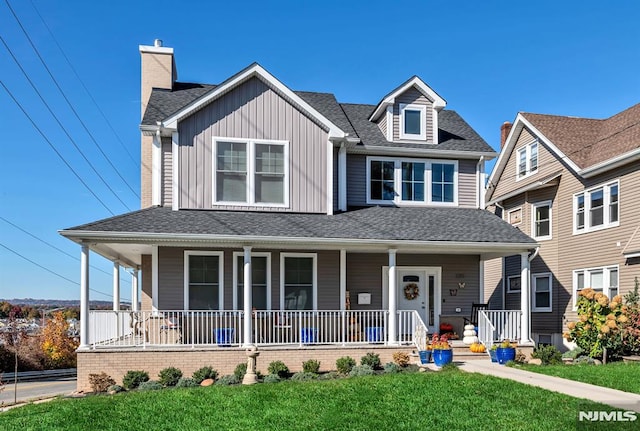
<point x="602" y="279"/>
<point x="527" y="160"/>
<point x="597" y="208"/>
<point x="250" y="172"/>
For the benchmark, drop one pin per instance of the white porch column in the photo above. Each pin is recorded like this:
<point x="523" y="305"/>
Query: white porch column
<point x="248" y="319"/>
<point x="342" y="178"/>
<point x="116" y="286"/>
<point x="525" y="298"/>
<point x="343" y="279"/>
<point x="393" y="307"/>
<point x="84" y="296"/>
<point x="481" y="281"/>
<point x="134" y="290"/>
<point x="155" y="273"/>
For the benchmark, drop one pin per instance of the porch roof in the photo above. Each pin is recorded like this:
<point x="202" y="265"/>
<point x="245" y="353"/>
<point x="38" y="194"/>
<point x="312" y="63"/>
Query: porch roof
<point x="446" y="230"/>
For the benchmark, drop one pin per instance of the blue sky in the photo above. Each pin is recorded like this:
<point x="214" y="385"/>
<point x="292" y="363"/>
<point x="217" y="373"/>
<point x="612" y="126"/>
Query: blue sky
<point x="489" y="60"/>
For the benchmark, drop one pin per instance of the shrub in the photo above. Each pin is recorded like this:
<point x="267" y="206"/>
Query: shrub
<point x="401" y="358"/>
<point x="361" y="370"/>
<point x="272" y="378"/>
<point x="169" y="376"/>
<point x="345" y="364"/>
<point x="521" y="358"/>
<point x="302" y="376"/>
<point x="371" y="359"/>
<point x="204" y="373"/>
<point x="279" y="368"/>
<point x="549" y="355"/>
<point x="573" y="354"/>
<point x="584" y="360"/>
<point x="229" y="379"/>
<point x="392" y="367"/>
<point x="240" y="371"/>
<point x="132" y="379"/>
<point x="100" y="382"/>
<point x="186" y="382"/>
<point x="331" y="375"/>
<point x="114" y="389"/>
<point x="150" y="385"/>
<point x="311" y="366"/>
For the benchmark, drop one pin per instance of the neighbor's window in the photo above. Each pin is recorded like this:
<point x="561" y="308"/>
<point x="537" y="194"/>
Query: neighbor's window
<point x="413" y="181"/>
<point x="299" y="281"/>
<point x="527" y="157"/>
<point x="251" y="172"/>
<point x="603" y="279"/>
<point x="541" y="221"/>
<point x="597" y="208"/>
<point x="541" y="292"/>
<point x="412" y="121"/>
<point x="203" y="281"/>
<point x="259" y="281"/>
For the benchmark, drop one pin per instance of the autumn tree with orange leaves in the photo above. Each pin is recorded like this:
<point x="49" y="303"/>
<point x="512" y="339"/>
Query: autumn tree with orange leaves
<point x="58" y="347"/>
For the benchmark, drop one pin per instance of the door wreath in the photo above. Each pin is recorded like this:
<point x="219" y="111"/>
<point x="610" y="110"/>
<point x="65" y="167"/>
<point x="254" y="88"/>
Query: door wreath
<point x="411" y="291"/>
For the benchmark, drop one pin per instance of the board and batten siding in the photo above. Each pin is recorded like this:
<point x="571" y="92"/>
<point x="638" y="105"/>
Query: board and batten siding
<point x="167" y="172"/>
<point x="413" y="96"/>
<point x="357" y="181"/>
<point x="253" y="110"/>
<point x="547" y="165"/>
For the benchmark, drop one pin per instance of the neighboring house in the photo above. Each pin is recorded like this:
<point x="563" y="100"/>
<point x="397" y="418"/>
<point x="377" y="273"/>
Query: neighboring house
<point x="573" y="185"/>
<point x="325" y="223"/>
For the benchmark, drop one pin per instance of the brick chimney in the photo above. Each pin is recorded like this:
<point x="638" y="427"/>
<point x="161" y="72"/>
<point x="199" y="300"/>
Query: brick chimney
<point x="505" y="129"/>
<point x="158" y="71"/>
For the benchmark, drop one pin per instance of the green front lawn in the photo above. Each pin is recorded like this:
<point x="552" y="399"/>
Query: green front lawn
<point x="451" y="400"/>
<point x="616" y="375"/>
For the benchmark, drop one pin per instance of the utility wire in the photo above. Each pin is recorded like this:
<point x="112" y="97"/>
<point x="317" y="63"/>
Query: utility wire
<point x="51" y="271"/>
<point x="26" y="75"/>
<point x="64" y="96"/>
<point x="124" y="147"/>
<point x="53" y="147"/>
<point x="53" y="246"/>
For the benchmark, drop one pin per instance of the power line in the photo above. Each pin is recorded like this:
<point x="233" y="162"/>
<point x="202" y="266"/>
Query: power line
<point x="15" y="59"/>
<point x="51" y="271"/>
<point x="64" y="96"/>
<point x="33" y="123"/>
<point x="124" y="147"/>
<point x="53" y="246"/>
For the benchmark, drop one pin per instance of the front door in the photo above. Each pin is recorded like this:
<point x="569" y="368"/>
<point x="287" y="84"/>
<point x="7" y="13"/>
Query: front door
<point x="417" y="290"/>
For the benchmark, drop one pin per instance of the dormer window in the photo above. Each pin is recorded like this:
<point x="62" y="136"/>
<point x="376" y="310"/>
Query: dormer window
<point x="413" y="122"/>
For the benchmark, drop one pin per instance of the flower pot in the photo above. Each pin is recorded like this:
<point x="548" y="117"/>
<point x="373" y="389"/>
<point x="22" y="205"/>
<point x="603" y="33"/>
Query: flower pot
<point x="505" y="354"/>
<point x="224" y="336"/>
<point x="425" y="356"/>
<point x="442" y="357"/>
<point x="374" y="334"/>
<point x="308" y="335"/>
<point x="493" y="355"/>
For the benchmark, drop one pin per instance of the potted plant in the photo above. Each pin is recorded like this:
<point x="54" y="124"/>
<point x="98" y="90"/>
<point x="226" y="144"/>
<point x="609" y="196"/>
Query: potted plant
<point x="506" y="352"/>
<point x="492" y="353"/>
<point x="425" y="354"/>
<point x="442" y="353"/>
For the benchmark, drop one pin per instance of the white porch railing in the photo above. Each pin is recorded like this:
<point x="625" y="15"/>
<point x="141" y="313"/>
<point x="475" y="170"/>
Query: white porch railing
<point x="225" y="328"/>
<point x="497" y="325"/>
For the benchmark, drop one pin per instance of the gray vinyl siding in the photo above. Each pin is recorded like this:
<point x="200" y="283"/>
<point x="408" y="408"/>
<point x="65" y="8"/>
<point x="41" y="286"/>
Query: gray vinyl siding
<point x="413" y="96"/>
<point x="357" y="181"/>
<point x="493" y="283"/>
<point x="254" y="111"/>
<point x="167" y="172"/>
<point x="170" y="278"/>
<point x="512" y="268"/>
<point x="382" y="124"/>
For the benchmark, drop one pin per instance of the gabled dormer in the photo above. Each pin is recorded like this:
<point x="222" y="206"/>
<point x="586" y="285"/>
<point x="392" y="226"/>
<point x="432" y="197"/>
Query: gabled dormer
<point x="409" y="113"/>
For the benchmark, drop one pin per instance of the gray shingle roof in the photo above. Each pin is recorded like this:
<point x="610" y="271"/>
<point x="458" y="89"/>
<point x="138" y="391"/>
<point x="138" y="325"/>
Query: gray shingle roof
<point x="327" y="105"/>
<point x="375" y="223"/>
<point x="163" y="103"/>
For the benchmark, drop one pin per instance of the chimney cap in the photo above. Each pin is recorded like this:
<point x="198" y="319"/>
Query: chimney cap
<point x="157" y="43"/>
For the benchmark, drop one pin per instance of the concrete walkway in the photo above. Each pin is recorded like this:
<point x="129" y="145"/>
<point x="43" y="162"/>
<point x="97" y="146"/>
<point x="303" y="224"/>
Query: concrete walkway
<point x="612" y="397"/>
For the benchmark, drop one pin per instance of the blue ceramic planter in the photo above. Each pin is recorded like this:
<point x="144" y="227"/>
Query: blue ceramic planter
<point x="425" y="356"/>
<point x="442" y="357"/>
<point x="505" y="354"/>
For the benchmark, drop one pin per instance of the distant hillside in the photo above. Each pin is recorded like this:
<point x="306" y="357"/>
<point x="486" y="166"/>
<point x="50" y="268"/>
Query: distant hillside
<point x="55" y="303"/>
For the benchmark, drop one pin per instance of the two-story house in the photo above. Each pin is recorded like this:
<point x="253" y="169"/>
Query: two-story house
<point x="572" y="185"/>
<point x="284" y="218"/>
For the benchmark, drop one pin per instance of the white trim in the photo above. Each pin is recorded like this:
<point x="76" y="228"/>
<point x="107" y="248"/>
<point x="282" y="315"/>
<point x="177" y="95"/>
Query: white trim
<point x="116" y="286"/>
<point x="534" y="206"/>
<point x="434" y="125"/>
<point x="427" y="151"/>
<point x="422" y="109"/>
<point x="175" y="168"/>
<point x="156" y="170"/>
<point x="390" y="123"/>
<point x="135" y="294"/>
<point x="509" y="289"/>
<point x="313" y="256"/>
<point x="155" y="272"/>
<point x="546" y="182"/>
<point x="84" y="296"/>
<point x="220" y="255"/>
<point x="606" y="286"/>
<point x="329" y="174"/>
<point x="251" y="172"/>
<point x="534" y="286"/>
<point x="342" y="177"/>
<point x="525" y="297"/>
<point x="528" y="172"/>
<point x="255" y="70"/>
<point x="610" y="164"/>
<point x="397" y="180"/>
<point x="393" y="296"/>
<point x="237" y="254"/>
<point x="155" y="49"/>
<point x="343" y="279"/>
<point x="438" y="102"/>
<point x="606" y="202"/>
